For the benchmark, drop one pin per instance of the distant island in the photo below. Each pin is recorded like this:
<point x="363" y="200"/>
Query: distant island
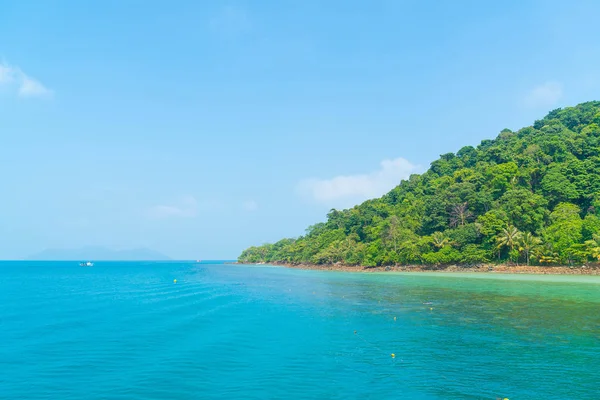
<point x="527" y="197"/>
<point x="99" y="254"/>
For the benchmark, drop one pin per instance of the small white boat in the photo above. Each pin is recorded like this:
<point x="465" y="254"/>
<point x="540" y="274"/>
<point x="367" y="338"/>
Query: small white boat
<point x="86" y="264"/>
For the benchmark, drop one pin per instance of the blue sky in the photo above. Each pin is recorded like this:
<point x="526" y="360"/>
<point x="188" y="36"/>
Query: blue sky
<point x="200" y="128"/>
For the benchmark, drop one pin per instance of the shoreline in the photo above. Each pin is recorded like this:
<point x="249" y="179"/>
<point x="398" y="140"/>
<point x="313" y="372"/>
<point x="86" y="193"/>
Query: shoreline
<point x="483" y="269"/>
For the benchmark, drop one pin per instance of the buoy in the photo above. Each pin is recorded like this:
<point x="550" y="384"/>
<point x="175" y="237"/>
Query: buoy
<point x="430" y="309"/>
<point x="174" y="280"/>
<point x="393" y="355"/>
<point x="394" y="318"/>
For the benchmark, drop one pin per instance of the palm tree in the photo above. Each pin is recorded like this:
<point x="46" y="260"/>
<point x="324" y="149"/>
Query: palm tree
<point x="439" y="240"/>
<point x="508" y="237"/>
<point x="528" y="244"/>
<point x="594" y="246"/>
<point x="546" y="254"/>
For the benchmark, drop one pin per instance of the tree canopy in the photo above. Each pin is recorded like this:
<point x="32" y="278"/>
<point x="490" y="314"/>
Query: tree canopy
<point x="530" y="196"/>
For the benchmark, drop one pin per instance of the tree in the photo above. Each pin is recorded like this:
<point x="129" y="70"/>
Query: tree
<point x="439" y="240"/>
<point x="565" y="229"/>
<point x="472" y="254"/>
<point x="391" y="231"/>
<point x="591" y="225"/>
<point x="528" y="244"/>
<point x="594" y="246"/>
<point x="501" y="176"/>
<point x="543" y="180"/>
<point x="410" y="251"/>
<point x="446" y="255"/>
<point x="557" y="187"/>
<point x="525" y="210"/>
<point x="508" y="238"/>
<point x="460" y="214"/>
<point x="464" y="235"/>
<point x="546" y="254"/>
<point x="331" y="254"/>
<point x="492" y="223"/>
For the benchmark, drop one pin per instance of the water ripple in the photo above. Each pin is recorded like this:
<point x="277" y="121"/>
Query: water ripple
<point x="127" y="331"/>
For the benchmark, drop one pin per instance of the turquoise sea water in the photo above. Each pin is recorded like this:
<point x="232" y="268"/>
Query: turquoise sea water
<point x="126" y="331"/>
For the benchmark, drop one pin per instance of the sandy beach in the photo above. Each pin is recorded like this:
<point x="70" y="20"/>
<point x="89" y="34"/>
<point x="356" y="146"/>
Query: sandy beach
<point x="484" y="268"/>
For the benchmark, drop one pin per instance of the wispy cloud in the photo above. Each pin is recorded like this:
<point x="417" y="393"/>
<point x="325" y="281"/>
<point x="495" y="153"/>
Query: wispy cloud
<point x="230" y="20"/>
<point x="250" y="205"/>
<point x="25" y="86"/>
<point x="6" y="74"/>
<point x="544" y="95"/>
<point x="187" y="207"/>
<point x="347" y="190"/>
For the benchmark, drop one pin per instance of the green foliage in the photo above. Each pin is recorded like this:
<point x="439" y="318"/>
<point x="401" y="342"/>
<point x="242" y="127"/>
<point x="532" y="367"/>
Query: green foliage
<point x="557" y="186"/>
<point x="464" y="235"/>
<point x="593" y="246"/>
<point x="528" y="244"/>
<point x="447" y="255"/>
<point x="591" y="226"/>
<point x="565" y="230"/>
<point x="528" y="196"/>
<point x="491" y="223"/>
<point x="527" y="211"/>
<point x="473" y="254"/>
<point x="439" y="240"/>
<point x="507" y="239"/>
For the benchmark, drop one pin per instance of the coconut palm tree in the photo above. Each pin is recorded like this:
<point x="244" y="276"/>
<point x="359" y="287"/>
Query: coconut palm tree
<point x="528" y="244"/>
<point x="546" y="254"/>
<point x="508" y="237"/>
<point x="439" y="240"/>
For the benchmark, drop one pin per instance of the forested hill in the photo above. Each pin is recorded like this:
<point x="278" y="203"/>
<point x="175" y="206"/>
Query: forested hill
<point x="527" y="196"/>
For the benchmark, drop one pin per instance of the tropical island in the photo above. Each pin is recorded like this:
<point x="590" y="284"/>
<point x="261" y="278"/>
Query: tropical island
<point x="530" y="197"/>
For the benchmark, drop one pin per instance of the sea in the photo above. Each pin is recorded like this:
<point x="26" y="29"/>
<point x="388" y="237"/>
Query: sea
<point x="211" y="330"/>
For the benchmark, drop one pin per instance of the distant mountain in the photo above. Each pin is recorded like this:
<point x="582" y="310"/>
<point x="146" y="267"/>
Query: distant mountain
<point x="99" y="254"/>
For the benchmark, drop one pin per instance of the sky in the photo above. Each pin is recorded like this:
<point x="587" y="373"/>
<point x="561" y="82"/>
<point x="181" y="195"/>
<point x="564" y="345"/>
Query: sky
<point x="198" y="129"/>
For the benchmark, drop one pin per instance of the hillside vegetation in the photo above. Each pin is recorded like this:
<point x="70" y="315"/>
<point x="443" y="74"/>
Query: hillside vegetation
<point x="531" y="196"/>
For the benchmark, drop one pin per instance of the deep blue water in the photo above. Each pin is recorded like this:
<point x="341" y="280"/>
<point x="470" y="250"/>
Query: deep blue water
<point x="127" y="331"/>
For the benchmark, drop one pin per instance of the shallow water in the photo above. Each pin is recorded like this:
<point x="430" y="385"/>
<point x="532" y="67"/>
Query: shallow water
<point x="126" y="331"/>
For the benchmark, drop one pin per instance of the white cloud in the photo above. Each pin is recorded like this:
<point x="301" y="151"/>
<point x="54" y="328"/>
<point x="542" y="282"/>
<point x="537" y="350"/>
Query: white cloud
<point x="32" y="88"/>
<point x="250" y="205"/>
<point x="545" y="95"/>
<point x="230" y="20"/>
<point x="186" y="208"/>
<point x="347" y="190"/>
<point x="24" y="85"/>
